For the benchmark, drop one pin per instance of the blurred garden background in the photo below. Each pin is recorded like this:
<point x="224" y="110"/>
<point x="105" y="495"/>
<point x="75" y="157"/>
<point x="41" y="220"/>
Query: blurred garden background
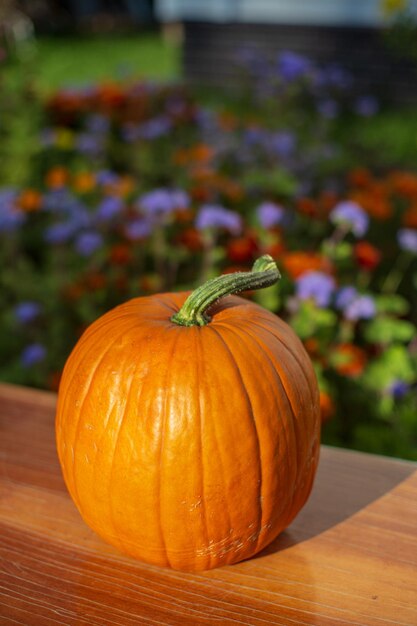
<point x="147" y="146"/>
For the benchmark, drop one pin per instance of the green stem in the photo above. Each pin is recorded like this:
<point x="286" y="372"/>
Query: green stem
<point x="396" y="274"/>
<point x="264" y="273"/>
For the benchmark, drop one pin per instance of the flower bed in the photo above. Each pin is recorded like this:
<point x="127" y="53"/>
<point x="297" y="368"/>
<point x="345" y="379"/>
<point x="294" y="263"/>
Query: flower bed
<point x="140" y="188"/>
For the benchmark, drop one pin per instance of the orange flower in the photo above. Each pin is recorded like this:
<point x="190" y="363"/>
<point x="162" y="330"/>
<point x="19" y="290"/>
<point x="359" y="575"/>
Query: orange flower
<point x="231" y="189"/>
<point x="360" y="177"/>
<point x="367" y="256"/>
<point x="348" y="360"/>
<point x="120" y="254"/>
<point x="409" y="218"/>
<point x="30" y="200"/>
<point x="201" y="153"/>
<point x="227" y="120"/>
<point x="296" y="263"/>
<point x="83" y="182"/>
<point x="122" y="187"/>
<point x="182" y="216"/>
<point x="57" y="177"/>
<point x="374" y="201"/>
<point x="110" y="97"/>
<point x="320" y="208"/>
<point x="327" y="407"/>
<point x="404" y="184"/>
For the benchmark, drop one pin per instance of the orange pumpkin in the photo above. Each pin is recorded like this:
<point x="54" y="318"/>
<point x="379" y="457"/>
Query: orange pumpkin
<point x="185" y="440"/>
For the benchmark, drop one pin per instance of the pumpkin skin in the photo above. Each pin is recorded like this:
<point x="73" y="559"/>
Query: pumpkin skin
<point x="188" y="447"/>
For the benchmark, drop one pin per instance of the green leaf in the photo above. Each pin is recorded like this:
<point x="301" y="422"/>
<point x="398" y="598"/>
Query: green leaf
<point x="392" y="304"/>
<point x="339" y="252"/>
<point x="394" y="364"/>
<point x="386" y="330"/>
<point x="276" y="181"/>
<point x="310" y="320"/>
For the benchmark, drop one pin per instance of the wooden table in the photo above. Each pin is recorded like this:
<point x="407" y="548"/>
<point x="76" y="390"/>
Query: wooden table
<point x="349" y="558"/>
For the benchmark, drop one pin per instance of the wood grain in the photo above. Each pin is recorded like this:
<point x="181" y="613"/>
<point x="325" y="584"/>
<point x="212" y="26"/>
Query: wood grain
<point x="349" y="558"/>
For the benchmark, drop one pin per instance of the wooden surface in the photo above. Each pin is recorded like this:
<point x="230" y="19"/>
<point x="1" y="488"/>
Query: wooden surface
<point x="349" y="558"/>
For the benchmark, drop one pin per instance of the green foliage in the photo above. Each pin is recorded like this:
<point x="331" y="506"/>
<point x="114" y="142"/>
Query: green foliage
<point x="385" y="330"/>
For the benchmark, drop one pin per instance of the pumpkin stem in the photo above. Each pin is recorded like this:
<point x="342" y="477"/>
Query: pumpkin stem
<point x="264" y="273"/>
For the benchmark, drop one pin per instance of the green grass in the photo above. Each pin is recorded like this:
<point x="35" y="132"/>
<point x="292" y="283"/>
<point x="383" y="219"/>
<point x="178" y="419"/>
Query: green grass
<point x="64" y="61"/>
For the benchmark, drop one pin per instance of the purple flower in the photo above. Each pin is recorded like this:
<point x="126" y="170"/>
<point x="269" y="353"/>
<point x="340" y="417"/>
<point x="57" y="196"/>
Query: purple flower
<point x="130" y="132"/>
<point x="345" y="296"/>
<point x="80" y="217"/>
<point x="106" y="177"/>
<point x="328" y="108"/>
<point x="407" y="240"/>
<point x="269" y="214"/>
<point x="253" y="136"/>
<point x="32" y="354"/>
<point x="175" y="106"/>
<point x="334" y="76"/>
<point x="97" y="124"/>
<point x="292" y="66"/>
<point x="59" y="201"/>
<point x="47" y="137"/>
<point x="316" y="286"/>
<point x="10" y="216"/>
<point x="366" y="106"/>
<point x="361" y="308"/>
<point x="215" y="216"/>
<point x="206" y="119"/>
<point x="27" y="311"/>
<point x="156" y="202"/>
<point x="283" y="143"/>
<point x="152" y="129"/>
<point x="350" y="214"/>
<point x="88" y="242"/>
<point x="59" y="233"/>
<point x="138" y="229"/>
<point x="399" y="389"/>
<point x="180" y="199"/>
<point x="163" y="201"/>
<point x="89" y="144"/>
<point x="109" y="208"/>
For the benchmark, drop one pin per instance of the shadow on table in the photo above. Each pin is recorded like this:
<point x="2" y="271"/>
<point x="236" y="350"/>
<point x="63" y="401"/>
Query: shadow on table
<point x="346" y="482"/>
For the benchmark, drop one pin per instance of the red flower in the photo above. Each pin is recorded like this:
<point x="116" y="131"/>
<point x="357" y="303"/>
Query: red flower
<point x="191" y="239"/>
<point x="242" y="249"/>
<point x="367" y="256"/>
<point x="120" y="254"/>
